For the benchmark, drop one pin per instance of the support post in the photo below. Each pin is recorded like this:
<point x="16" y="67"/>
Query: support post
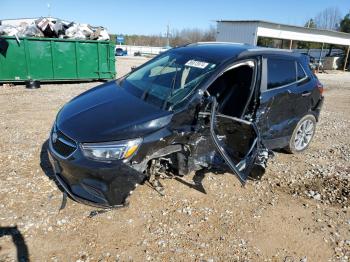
<point x="319" y="60"/>
<point x="346" y="58"/>
<point x="290" y="44"/>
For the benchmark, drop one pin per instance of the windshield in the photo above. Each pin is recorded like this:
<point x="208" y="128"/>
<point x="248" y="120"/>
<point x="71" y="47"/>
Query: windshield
<point x="169" y="79"/>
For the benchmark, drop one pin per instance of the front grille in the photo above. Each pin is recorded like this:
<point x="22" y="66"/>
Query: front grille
<point x="63" y="145"/>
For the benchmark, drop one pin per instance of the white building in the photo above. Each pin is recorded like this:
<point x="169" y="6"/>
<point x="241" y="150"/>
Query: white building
<point x="249" y="32"/>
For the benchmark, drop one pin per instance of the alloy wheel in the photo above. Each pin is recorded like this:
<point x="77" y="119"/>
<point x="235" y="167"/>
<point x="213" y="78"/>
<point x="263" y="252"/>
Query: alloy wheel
<point x="304" y="135"/>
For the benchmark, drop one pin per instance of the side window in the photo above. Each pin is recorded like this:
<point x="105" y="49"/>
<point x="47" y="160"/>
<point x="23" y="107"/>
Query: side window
<point x="301" y="73"/>
<point x="280" y="72"/>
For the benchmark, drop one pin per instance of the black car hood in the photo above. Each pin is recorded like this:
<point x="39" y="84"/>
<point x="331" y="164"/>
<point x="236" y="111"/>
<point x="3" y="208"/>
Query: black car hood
<point x="109" y="113"/>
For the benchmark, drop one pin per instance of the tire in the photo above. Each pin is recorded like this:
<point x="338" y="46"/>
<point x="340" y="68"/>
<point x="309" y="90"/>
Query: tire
<point x="302" y="135"/>
<point x="32" y="84"/>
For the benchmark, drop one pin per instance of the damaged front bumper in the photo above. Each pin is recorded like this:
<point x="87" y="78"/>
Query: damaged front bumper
<point x="98" y="184"/>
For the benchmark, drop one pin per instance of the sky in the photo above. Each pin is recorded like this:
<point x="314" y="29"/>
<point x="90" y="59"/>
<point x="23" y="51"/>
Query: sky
<point x="152" y="16"/>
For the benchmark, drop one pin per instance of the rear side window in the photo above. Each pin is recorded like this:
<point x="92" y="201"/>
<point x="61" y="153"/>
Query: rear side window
<point x="301" y="72"/>
<point x="280" y="72"/>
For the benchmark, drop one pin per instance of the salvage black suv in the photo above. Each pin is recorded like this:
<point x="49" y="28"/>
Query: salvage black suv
<point x="215" y="106"/>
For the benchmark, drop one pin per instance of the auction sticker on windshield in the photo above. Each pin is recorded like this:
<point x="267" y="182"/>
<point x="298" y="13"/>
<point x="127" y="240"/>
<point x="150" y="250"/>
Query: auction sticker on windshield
<point x="198" y="64"/>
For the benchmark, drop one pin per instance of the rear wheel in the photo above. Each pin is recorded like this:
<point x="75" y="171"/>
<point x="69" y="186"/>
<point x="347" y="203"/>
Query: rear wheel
<point x="302" y="135"/>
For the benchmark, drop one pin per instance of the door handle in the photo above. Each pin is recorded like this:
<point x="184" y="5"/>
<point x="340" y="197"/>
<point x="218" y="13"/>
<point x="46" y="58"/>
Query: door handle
<point x="306" y="93"/>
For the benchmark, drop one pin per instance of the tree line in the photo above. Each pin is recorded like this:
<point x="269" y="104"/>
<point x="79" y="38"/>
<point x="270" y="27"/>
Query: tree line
<point x="330" y="19"/>
<point x="173" y="38"/>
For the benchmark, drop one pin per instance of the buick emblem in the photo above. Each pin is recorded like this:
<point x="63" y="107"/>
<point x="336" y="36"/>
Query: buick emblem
<point x="54" y="137"/>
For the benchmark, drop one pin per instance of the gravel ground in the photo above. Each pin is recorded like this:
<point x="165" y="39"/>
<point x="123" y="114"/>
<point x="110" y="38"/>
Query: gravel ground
<point x="299" y="211"/>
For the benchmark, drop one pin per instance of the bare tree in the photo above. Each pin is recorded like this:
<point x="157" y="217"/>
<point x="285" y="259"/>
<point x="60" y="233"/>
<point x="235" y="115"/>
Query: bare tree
<point x="192" y="35"/>
<point x="177" y="37"/>
<point x="329" y="18"/>
<point x="210" y="34"/>
<point x="310" y="23"/>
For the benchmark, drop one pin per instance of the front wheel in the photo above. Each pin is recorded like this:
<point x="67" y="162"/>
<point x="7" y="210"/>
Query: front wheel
<point x="302" y="135"/>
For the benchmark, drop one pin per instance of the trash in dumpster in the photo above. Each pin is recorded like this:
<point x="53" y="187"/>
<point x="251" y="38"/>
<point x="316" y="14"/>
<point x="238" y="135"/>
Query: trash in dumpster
<point x="79" y="31"/>
<point x="55" y="28"/>
<point x="46" y="26"/>
<point x="8" y="30"/>
<point x="100" y="34"/>
<point x="60" y="28"/>
<point x="33" y="31"/>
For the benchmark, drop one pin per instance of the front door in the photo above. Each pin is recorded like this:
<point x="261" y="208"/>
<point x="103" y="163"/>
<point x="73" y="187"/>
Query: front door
<point x="236" y="140"/>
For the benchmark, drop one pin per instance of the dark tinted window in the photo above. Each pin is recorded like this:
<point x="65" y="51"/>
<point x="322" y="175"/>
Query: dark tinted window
<point x="301" y="72"/>
<point x="280" y="72"/>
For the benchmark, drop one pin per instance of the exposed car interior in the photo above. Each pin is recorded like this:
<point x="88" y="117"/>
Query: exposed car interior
<point x="232" y="90"/>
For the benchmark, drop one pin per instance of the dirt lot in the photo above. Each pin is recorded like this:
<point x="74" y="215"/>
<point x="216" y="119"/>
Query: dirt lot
<point x="299" y="210"/>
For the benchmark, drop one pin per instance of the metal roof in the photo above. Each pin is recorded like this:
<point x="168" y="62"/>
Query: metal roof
<point x="218" y="52"/>
<point x="285" y="25"/>
<point x="291" y="32"/>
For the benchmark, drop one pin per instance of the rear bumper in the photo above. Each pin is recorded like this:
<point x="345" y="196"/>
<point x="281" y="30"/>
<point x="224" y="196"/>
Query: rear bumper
<point x="318" y="108"/>
<point x="98" y="184"/>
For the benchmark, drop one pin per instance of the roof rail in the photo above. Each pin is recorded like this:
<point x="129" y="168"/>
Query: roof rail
<point x="263" y="49"/>
<point x="232" y="43"/>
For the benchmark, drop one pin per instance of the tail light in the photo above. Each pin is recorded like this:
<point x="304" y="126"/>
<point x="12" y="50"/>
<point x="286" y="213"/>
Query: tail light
<point x="320" y="87"/>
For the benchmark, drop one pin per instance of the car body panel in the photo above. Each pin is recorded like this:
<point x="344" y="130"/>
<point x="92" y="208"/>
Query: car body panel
<point x="118" y="115"/>
<point x="93" y="183"/>
<point x="281" y="108"/>
<point x="111" y="113"/>
<point x="236" y="140"/>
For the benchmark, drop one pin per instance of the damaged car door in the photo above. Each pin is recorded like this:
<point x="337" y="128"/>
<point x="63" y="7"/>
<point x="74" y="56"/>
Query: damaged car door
<point x="236" y="140"/>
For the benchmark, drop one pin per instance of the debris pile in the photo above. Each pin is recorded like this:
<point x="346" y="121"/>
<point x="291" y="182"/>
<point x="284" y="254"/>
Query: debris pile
<point x="55" y="28"/>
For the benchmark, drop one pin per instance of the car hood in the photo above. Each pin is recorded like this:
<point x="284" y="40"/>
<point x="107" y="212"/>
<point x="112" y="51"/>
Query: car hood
<point x="109" y="113"/>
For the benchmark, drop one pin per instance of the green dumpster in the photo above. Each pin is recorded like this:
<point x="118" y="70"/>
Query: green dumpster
<point x="51" y="59"/>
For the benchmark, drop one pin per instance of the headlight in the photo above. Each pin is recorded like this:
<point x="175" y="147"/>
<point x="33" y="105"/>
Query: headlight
<point x="111" y="150"/>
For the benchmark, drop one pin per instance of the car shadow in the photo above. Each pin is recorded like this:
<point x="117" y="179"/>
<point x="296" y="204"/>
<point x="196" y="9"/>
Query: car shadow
<point x="18" y="240"/>
<point x="46" y="165"/>
<point x="197" y="179"/>
<point x="281" y="151"/>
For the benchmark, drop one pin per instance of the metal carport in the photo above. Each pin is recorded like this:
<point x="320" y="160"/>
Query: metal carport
<point x="248" y="31"/>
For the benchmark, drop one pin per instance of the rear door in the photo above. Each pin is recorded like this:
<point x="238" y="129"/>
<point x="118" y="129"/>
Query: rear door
<point x="277" y="110"/>
<point x="236" y="140"/>
<point x="306" y="92"/>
